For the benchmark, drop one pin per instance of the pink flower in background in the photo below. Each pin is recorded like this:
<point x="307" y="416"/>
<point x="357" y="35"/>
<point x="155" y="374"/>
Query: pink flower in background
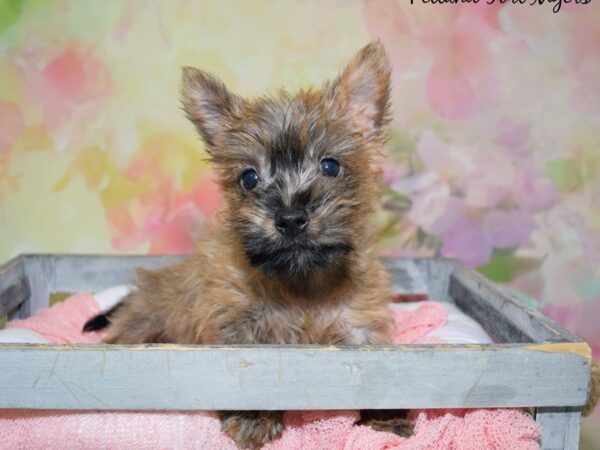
<point x="582" y="317"/>
<point x="475" y="199"/>
<point x="461" y="78"/>
<point x="162" y="201"/>
<point x="583" y="52"/>
<point x="76" y="77"/>
<point x="512" y="135"/>
<point x="386" y="20"/>
<point x="71" y="87"/>
<point x="167" y="218"/>
<point x="461" y="81"/>
<point x="164" y="215"/>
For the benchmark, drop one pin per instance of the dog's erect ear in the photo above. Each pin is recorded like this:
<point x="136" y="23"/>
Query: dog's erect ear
<point x="208" y="104"/>
<point x="362" y="91"/>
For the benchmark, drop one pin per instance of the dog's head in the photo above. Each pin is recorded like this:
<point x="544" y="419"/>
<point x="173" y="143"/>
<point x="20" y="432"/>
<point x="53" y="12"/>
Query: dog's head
<point x="297" y="171"/>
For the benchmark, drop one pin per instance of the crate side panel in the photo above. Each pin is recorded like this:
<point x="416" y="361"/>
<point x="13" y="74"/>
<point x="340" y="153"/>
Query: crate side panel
<point x="14" y="287"/>
<point x="496" y="324"/>
<point x="40" y="275"/>
<point x="438" y="274"/>
<point x="560" y="428"/>
<point x="93" y="273"/>
<point x="435" y="274"/>
<point x="500" y="313"/>
<point x="13" y="296"/>
<point x="265" y="377"/>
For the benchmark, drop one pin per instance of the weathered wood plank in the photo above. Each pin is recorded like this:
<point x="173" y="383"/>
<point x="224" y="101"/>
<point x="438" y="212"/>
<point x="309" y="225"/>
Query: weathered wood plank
<point x="434" y="272"/>
<point x="552" y="376"/>
<point x="560" y="428"/>
<point x="500" y="327"/>
<point x="437" y="272"/>
<point x="504" y="317"/>
<point x="76" y="273"/>
<point x="90" y="273"/>
<point x="14" y="288"/>
<point x="40" y="276"/>
<point x="290" y="377"/>
<point x="13" y="296"/>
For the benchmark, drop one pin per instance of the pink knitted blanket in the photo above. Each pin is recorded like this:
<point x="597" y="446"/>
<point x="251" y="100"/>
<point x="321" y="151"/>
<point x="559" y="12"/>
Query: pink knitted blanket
<point x="480" y="429"/>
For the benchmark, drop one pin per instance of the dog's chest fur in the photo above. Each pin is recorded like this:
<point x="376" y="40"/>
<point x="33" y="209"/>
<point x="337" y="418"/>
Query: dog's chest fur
<point x="273" y="323"/>
<point x="210" y="300"/>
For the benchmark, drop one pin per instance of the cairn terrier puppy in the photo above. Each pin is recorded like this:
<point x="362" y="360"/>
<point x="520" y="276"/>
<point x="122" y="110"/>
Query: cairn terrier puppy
<point x="293" y="260"/>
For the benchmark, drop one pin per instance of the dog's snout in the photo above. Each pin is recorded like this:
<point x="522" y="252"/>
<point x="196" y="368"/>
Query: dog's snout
<point x="291" y="223"/>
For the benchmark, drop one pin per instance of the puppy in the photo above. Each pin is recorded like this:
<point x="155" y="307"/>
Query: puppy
<point x="293" y="260"/>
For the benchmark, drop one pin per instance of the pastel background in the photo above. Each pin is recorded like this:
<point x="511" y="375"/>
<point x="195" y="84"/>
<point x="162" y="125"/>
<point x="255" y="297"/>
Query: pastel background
<point x="495" y="148"/>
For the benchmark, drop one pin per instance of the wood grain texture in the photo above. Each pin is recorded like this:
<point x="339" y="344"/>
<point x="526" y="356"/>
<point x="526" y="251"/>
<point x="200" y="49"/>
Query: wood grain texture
<point x="14" y="288"/>
<point x="504" y="317"/>
<point x="286" y="377"/>
<point x="40" y="276"/>
<point x="500" y="326"/>
<point x="13" y="296"/>
<point x="541" y="364"/>
<point x="435" y="273"/>
<point x="560" y="428"/>
<point x="94" y="273"/>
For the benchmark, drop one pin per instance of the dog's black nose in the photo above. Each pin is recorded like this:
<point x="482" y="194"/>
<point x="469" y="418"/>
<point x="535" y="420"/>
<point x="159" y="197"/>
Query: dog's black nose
<point x="291" y="223"/>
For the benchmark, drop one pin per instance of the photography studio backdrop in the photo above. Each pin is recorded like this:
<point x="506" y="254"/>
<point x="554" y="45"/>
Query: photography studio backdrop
<point x="493" y="159"/>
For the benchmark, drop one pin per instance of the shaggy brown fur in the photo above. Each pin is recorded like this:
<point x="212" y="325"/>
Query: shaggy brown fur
<point x="593" y="390"/>
<point x="252" y="283"/>
<point x="388" y="420"/>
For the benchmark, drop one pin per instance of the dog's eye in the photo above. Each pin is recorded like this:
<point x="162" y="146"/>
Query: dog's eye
<point x="249" y="179"/>
<point x="330" y="167"/>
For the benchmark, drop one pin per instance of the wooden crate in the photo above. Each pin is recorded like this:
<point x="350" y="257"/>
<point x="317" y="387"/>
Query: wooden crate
<point x="534" y="363"/>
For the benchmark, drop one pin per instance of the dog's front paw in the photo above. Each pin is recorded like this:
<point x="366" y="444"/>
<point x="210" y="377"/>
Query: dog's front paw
<point x="400" y="427"/>
<point x="251" y="429"/>
<point x="390" y="421"/>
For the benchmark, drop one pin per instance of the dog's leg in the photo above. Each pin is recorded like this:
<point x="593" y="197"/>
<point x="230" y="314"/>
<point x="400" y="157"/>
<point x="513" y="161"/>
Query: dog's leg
<point x="389" y="420"/>
<point x="133" y="324"/>
<point x="252" y="429"/>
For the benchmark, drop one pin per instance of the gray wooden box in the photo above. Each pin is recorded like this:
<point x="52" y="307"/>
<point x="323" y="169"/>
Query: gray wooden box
<point x="534" y="363"/>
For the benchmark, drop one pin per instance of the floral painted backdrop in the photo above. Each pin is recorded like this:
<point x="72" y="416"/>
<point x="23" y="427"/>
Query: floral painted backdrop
<point x="494" y="156"/>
